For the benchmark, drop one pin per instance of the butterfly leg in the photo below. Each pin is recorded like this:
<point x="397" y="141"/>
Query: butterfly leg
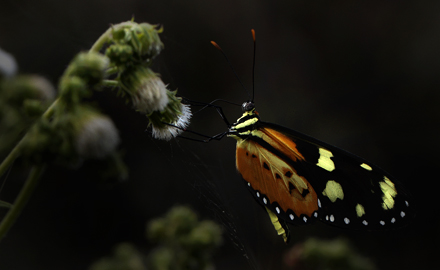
<point x="210" y="105"/>
<point x="217" y="137"/>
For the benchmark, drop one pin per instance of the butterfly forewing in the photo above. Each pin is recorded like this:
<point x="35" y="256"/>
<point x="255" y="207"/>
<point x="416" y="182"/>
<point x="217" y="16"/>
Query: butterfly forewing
<point x="300" y="179"/>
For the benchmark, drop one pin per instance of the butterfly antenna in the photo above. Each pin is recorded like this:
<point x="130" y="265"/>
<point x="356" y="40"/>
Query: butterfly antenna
<point x="229" y="62"/>
<point x="253" y="65"/>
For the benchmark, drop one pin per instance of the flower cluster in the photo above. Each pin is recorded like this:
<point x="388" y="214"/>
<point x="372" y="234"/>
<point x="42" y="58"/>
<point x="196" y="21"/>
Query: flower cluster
<point x="185" y="241"/>
<point x="23" y="99"/>
<point x="131" y="50"/>
<point x="65" y="129"/>
<point x="70" y="131"/>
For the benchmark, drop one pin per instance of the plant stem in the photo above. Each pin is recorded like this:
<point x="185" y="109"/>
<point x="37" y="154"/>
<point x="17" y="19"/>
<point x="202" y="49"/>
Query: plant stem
<point x="96" y="47"/>
<point x="7" y="162"/>
<point x="110" y="83"/>
<point x="111" y="71"/>
<point x="21" y="200"/>
<point x="15" y="153"/>
<point x="49" y="111"/>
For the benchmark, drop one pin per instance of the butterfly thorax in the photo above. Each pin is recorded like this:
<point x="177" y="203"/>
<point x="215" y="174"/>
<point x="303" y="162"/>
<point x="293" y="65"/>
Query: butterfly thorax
<point x="244" y="125"/>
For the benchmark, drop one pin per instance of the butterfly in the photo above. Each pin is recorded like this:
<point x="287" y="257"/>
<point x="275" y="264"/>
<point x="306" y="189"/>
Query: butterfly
<point x="299" y="179"/>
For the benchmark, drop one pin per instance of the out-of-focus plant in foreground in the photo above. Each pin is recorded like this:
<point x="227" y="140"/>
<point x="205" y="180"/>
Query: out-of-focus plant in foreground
<point x="43" y="128"/>
<point x="184" y="242"/>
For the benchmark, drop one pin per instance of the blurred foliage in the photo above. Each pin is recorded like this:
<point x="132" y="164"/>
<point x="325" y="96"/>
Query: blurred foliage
<point x="185" y="242"/>
<point x="361" y="75"/>
<point x="5" y="204"/>
<point x="337" y="254"/>
<point x="23" y="99"/>
<point x="41" y="130"/>
<point x="125" y="257"/>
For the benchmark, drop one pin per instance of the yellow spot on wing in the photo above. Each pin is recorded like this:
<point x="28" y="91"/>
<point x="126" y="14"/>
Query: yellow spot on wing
<point x="366" y="167"/>
<point x="360" y="211"/>
<point x="324" y="160"/>
<point x="333" y="190"/>
<point x="389" y="192"/>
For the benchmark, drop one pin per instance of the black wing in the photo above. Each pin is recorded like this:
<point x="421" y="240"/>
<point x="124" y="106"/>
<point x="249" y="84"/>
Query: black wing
<point x="352" y="192"/>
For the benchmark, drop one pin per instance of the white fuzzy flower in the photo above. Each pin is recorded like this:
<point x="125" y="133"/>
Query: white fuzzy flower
<point x="168" y="132"/>
<point x="97" y="137"/>
<point x="43" y="87"/>
<point x="8" y="66"/>
<point x="151" y="95"/>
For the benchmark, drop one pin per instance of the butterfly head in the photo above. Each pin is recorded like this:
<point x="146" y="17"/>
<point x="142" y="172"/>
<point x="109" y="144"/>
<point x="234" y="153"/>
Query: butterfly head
<point x="248" y="106"/>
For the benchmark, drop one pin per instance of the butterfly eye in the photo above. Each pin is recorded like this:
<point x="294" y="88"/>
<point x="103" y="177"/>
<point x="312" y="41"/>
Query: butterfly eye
<point x="248" y="106"/>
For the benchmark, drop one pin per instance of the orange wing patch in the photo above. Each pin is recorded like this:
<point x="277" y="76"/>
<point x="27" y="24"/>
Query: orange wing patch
<point x="280" y="142"/>
<point x="272" y="176"/>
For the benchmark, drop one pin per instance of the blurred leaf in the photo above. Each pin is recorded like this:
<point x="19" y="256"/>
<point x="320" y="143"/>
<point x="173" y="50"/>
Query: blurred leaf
<point x="316" y="254"/>
<point x="4" y="204"/>
<point x="184" y="241"/>
<point x="125" y="257"/>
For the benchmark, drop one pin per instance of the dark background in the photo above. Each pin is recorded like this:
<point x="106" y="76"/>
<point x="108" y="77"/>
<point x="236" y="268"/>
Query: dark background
<point x="362" y="76"/>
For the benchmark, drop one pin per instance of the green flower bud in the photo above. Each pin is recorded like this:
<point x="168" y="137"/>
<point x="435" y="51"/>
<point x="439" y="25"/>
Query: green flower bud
<point x="20" y="88"/>
<point x="119" y="54"/>
<point x="23" y="98"/>
<point x="73" y="89"/>
<point x="143" y="38"/>
<point x="88" y="66"/>
<point x="149" y="40"/>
